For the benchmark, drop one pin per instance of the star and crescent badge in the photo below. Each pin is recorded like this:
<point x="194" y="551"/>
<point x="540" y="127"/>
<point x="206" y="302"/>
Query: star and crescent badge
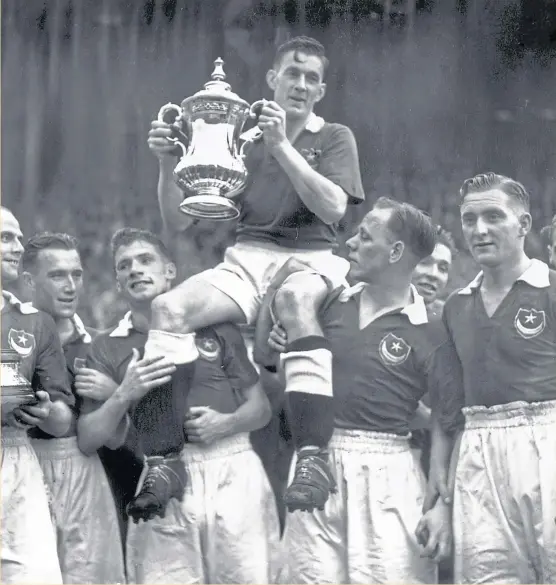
<point x="393" y="350"/>
<point x="529" y="322"/>
<point x="21" y="342"/>
<point x="208" y="348"/>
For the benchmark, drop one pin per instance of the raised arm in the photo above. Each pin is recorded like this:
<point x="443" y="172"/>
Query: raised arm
<point x="335" y="181"/>
<point x="169" y="194"/>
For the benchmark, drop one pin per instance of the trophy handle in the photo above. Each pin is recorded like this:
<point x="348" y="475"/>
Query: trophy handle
<point x="242" y="148"/>
<point x="175" y="124"/>
<point x="256" y="107"/>
<point x="169" y="107"/>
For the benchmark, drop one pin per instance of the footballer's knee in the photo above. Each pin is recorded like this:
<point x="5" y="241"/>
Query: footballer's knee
<point x="169" y="312"/>
<point x="297" y="302"/>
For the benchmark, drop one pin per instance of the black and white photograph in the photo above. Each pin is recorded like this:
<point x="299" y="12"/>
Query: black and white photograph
<point x="278" y="291"/>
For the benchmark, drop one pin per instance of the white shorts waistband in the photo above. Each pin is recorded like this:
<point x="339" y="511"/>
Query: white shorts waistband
<point x="368" y="441"/>
<point x="512" y="414"/>
<point x="57" y="448"/>
<point x="195" y="452"/>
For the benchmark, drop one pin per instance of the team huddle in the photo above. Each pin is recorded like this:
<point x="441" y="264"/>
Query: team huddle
<point x="423" y="432"/>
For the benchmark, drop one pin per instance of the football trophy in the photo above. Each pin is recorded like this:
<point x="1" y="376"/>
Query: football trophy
<point x="16" y="389"/>
<point x="211" y="172"/>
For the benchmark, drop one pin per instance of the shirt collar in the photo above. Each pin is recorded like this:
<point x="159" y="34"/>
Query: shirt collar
<point x="124" y="327"/>
<point x="314" y="124"/>
<point x="23" y="308"/>
<point x="416" y="311"/>
<point x="80" y="329"/>
<point x="537" y="276"/>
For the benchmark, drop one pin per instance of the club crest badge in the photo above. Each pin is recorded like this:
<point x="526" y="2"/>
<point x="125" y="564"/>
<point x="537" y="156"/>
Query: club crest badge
<point x="79" y="363"/>
<point x="529" y="322"/>
<point x="21" y="341"/>
<point x="393" y="350"/>
<point x="208" y="348"/>
<point x="311" y="155"/>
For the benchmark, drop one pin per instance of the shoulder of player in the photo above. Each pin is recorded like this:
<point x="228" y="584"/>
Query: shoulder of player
<point x="337" y="131"/>
<point x="455" y="300"/>
<point x="37" y="319"/>
<point x="103" y="339"/>
<point x="334" y="298"/>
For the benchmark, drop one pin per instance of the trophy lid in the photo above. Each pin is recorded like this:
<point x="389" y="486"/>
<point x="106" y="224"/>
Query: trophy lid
<point x="216" y="88"/>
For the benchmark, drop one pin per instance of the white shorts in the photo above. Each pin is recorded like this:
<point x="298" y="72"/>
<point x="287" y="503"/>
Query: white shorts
<point x="28" y="548"/>
<point x="248" y="269"/>
<point x="88" y="534"/>
<point x="505" y="495"/>
<point x="366" y="532"/>
<point x="226" y="529"/>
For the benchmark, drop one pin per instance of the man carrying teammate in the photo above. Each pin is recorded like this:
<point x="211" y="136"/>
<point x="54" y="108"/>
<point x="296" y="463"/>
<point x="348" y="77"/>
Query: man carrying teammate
<point x="226" y="529"/>
<point x="503" y="328"/>
<point x="386" y="354"/>
<point x="303" y="172"/>
<point x="89" y="545"/>
<point x="28" y="547"/>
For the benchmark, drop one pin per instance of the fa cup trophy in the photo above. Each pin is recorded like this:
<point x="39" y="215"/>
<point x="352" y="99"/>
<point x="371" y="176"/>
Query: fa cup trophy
<point x="16" y="389"/>
<point x="211" y="172"/>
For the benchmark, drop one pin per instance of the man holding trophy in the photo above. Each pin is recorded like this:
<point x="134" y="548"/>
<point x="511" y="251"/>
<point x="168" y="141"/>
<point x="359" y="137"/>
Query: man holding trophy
<point x="299" y="174"/>
<point x="35" y="394"/>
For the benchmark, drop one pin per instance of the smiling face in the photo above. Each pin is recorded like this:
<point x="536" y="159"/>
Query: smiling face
<point x="142" y="272"/>
<point x="494" y="226"/>
<point x="57" y="282"/>
<point x="12" y="245"/>
<point x="430" y="276"/>
<point x="297" y="83"/>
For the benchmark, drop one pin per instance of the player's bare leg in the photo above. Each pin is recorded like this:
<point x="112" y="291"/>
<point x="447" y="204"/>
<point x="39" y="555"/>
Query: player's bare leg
<point x="191" y="305"/>
<point x="308" y="370"/>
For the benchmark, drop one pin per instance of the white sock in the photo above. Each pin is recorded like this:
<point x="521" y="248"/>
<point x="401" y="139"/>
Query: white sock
<point x="180" y="348"/>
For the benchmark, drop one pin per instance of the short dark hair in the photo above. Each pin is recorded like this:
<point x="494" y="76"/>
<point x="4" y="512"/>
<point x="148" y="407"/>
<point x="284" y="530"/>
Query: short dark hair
<point x="128" y="235"/>
<point x="302" y="44"/>
<point x="46" y="241"/>
<point x="488" y="181"/>
<point x="445" y="238"/>
<point x="411" y="225"/>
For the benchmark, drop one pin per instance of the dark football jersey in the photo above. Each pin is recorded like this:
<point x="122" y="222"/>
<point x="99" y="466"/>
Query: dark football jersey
<point x="381" y="372"/>
<point x="510" y="356"/>
<point x="222" y="371"/>
<point x="33" y="335"/>
<point x="75" y="351"/>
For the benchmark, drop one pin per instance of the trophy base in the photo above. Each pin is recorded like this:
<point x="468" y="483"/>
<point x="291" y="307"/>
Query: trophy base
<point x="211" y="207"/>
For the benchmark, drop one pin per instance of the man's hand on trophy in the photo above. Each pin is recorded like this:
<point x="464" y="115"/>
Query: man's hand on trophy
<point x="272" y="121"/>
<point x="158" y="141"/>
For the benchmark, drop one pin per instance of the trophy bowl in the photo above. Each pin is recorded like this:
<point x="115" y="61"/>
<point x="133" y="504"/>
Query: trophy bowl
<point x="211" y="173"/>
<point x="15" y="388"/>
